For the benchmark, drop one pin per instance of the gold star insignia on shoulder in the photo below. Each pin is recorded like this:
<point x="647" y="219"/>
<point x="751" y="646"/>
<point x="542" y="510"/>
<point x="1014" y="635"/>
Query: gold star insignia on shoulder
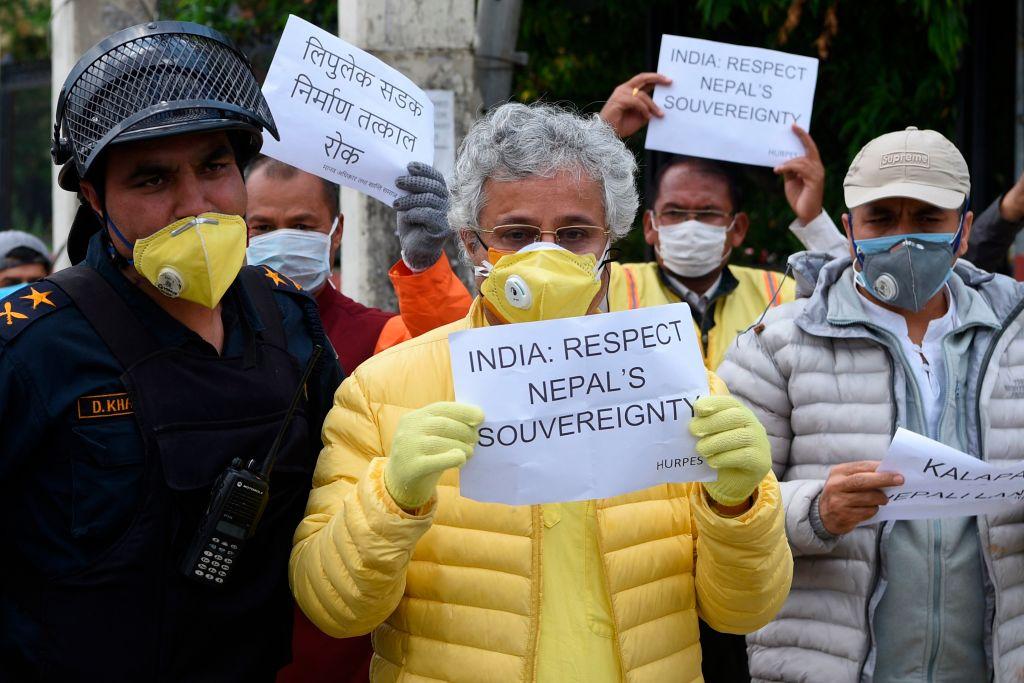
<point x="11" y="315"/>
<point x="38" y="298"/>
<point x="16" y="315"/>
<point x="279" y="279"/>
<point x="274" y="276"/>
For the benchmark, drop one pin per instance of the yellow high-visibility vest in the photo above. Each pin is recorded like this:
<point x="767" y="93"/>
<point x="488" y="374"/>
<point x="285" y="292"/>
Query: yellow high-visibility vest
<point x="634" y="285"/>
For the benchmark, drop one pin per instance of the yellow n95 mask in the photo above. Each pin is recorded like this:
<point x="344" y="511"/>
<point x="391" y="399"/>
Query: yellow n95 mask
<point x="195" y="258"/>
<point x="542" y="281"/>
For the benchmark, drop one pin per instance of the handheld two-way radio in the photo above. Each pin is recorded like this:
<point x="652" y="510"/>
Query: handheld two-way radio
<point x="237" y="501"/>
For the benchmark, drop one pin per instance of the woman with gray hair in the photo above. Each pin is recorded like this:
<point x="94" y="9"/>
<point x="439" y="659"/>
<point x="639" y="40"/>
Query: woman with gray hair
<point x="538" y="178"/>
<point x="458" y="590"/>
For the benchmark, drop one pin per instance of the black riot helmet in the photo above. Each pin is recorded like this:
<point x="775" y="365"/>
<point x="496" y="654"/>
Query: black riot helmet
<point x="150" y="81"/>
<point x="154" y="80"/>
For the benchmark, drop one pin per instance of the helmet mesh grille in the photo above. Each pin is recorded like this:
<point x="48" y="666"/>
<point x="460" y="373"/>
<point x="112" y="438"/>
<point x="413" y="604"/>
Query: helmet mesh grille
<point x="161" y="69"/>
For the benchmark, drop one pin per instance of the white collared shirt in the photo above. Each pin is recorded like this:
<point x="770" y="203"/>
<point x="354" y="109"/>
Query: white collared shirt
<point x="926" y="359"/>
<point x="821" y="235"/>
<point x="698" y="302"/>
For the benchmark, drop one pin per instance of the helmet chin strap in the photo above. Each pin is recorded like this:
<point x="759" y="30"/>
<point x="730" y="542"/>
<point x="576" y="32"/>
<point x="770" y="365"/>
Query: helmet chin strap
<point x="124" y="240"/>
<point x="107" y="226"/>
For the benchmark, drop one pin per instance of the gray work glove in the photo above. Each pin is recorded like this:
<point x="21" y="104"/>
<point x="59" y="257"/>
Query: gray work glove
<point x="422" y="216"/>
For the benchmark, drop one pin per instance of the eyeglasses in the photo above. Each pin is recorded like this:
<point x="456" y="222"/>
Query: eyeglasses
<point x="575" y="238"/>
<point x="673" y="216"/>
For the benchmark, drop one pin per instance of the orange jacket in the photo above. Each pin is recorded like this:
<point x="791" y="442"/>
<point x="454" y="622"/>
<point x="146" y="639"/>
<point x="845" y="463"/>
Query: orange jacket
<point x="429" y="299"/>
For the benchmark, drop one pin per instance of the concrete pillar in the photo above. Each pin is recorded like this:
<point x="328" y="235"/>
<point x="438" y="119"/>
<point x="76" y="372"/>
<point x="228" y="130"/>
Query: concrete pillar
<point x="431" y="42"/>
<point x="76" y="26"/>
<point x="497" y="27"/>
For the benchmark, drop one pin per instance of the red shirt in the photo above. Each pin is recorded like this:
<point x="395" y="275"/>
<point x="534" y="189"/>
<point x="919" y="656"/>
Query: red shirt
<point x="352" y="327"/>
<point x="428" y="299"/>
<point x="316" y="657"/>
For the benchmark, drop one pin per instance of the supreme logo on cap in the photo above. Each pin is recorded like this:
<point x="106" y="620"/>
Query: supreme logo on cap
<point x="891" y="159"/>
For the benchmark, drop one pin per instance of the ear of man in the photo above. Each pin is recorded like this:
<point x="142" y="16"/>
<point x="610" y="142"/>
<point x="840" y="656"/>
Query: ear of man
<point x="89" y="192"/>
<point x="740" y="226"/>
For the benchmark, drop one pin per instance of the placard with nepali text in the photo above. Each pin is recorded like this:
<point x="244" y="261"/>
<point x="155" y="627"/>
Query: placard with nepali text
<point x="731" y="102"/>
<point x="581" y="408"/>
<point x="939" y="481"/>
<point x="343" y="114"/>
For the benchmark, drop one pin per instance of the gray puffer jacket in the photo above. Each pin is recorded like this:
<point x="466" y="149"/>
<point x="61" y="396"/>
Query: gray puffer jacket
<point x="827" y="392"/>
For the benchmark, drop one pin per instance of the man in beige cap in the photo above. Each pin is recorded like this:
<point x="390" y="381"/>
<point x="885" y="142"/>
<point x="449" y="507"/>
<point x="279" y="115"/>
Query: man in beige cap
<point x="898" y="334"/>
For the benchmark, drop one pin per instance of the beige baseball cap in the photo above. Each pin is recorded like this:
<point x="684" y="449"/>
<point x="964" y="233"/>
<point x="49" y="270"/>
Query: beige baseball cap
<point x="920" y="164"/>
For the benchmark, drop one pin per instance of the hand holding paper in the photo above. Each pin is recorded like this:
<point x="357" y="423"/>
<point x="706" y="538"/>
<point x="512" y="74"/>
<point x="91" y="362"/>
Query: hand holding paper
<point x="939" y="481"/>
<point x="343" y="114"/>
<point x="731" y="102"/>
<point x="852" y="495"/>
<point x="804" y="179"/>
<point x="630" y="106"/>
<point x="581" y="408"/>
<point x="422" y="216"/>
<point x="427" y="442"/>
<point x="733" y="442"/>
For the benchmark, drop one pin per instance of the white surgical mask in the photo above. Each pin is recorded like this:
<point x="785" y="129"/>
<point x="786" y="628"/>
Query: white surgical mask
<point x="691" y="248"/>
<point x="302" y="255"/>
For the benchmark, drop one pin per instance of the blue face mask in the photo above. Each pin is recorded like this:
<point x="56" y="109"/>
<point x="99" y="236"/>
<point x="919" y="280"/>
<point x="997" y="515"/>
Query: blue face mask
<point x="906" y="271"/>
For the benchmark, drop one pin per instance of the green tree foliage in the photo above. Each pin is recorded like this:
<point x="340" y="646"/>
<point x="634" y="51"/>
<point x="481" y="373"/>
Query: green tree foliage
<point x="30" y="152"/>
<point x="23" y="25"/>
<point x="884" y="65"/>
<point x="253" y="25"/>
<point x="23" y="40"/>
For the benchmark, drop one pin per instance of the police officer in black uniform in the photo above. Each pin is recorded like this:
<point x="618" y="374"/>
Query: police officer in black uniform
<point x="131" y="382"/>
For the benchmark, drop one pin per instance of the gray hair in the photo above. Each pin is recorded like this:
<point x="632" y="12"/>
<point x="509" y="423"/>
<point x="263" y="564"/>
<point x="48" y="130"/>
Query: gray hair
<point x="517" y="141"/>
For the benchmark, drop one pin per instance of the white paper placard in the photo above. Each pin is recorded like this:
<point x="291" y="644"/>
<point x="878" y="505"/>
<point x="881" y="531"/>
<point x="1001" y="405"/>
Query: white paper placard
<point x="581" y="408"/>
<point x="940" y="481"/>
<point x="343" y="114"/>
<point x="444" y="130"/>
<point x="731" y="102"/>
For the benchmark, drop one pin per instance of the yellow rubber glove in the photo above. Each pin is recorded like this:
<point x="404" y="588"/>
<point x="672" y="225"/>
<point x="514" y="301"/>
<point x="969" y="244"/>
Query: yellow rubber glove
<point x="427" y="442"/>
<point x="733" y="442"/>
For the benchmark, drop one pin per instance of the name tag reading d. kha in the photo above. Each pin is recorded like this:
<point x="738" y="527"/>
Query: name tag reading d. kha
<point x="104" y="405"/>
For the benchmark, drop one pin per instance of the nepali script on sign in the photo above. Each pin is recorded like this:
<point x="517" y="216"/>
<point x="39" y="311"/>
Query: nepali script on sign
<point x="732" y="102"/>
<point x="940" y="481"/>
<point x="581" y="408"/>
<point x="343" y="114"/>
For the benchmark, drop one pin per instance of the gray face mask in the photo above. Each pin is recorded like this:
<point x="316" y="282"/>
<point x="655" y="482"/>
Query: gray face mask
<point x="905" y="271"/>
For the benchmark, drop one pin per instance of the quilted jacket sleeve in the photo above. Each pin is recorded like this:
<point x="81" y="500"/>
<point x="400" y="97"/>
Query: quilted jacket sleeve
<point x="752" y="374"/>
<point x="755" y="376"/>
<point x="991" y="238"/>
<point x="430" y="298"/>
<point x="744" y="566"/>
<point x="351" y="551"/>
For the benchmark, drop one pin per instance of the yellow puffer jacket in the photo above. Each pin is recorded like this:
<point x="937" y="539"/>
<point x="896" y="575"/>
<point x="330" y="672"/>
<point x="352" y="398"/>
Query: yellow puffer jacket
<point x="639" y="284"/>
<point x="453" y="594"/>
